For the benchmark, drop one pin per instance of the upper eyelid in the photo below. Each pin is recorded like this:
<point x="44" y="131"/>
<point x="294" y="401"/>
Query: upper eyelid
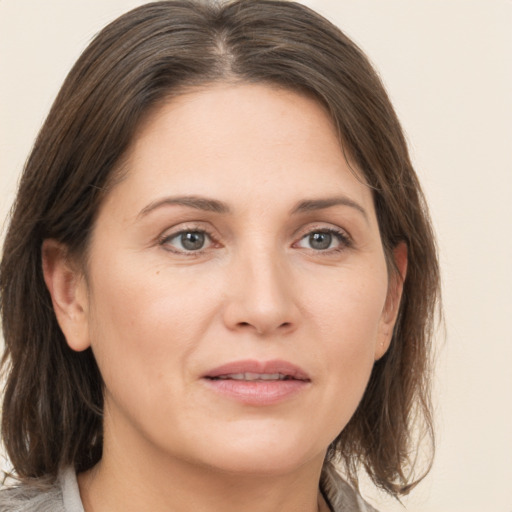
<point x="321" y="226"/>
<point x="174" y="232"/>
<point x="165" y="244"/>
<point x="186" y="226"/>
<point x="297" y="235"/>
<point x="344" y="238"/>
<point x="340" y="235"/>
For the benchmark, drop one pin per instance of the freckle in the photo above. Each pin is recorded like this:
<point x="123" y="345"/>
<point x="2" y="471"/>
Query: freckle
<point x="157" y="272"/>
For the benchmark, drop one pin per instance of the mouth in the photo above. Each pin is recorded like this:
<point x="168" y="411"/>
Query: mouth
<point x="252" y="370"/>
<point x="248" y="376"/>
<point x="257" y="383"/>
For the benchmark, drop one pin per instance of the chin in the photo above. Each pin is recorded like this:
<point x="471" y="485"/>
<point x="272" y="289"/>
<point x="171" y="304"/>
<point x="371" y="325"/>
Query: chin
<point x="262" y="454"/>
<point x="261" y="464"/>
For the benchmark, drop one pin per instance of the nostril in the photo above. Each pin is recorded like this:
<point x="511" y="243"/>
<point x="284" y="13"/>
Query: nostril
<point x="263" y="329"/>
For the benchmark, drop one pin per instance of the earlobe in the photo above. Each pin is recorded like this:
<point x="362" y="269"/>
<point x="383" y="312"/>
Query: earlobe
<point x="68" y="292"/>
<point x="392" y="306"/>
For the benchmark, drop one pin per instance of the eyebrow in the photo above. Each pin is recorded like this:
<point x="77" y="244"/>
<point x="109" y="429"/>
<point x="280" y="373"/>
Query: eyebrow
<point x="199" y="203"/>
<point x="321" y="204"/>
<point x="213" y="205"/>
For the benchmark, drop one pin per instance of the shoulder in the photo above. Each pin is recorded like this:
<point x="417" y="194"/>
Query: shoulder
<point x="31" y="498"/>
<point x="41" y="496"/>
<point x="341" y="496"/>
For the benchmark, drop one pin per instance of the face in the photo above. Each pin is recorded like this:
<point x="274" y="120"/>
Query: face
<point x="237" y="291"/>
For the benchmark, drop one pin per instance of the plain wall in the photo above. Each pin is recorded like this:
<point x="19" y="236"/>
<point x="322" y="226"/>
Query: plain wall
<point x="448" y="68"/>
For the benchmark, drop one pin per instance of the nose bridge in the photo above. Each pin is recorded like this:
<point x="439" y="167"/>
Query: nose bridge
<point x="261" y="295"/>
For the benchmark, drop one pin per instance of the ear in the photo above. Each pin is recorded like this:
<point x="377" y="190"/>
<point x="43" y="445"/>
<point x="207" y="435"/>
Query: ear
<point x="68" y="290"/>
<point x="392" y="305"/>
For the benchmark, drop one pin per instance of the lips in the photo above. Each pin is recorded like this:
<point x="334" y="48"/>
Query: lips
<point x="257" y="383"/>
<point x="251" y="370"/>
<point x="254" y="376"/>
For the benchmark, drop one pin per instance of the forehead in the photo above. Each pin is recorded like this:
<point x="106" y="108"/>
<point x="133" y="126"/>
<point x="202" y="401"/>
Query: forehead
<point x="238" y="141"/>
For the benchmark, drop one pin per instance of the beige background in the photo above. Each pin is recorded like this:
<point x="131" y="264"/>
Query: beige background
<point x="448" y="67"/>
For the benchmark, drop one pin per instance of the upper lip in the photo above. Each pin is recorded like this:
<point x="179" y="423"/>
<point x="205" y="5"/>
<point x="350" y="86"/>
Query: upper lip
<point x="262" y="367"/>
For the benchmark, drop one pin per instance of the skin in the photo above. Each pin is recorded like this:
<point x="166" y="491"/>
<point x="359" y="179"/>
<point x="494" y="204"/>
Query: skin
<point x="158" y="316"/>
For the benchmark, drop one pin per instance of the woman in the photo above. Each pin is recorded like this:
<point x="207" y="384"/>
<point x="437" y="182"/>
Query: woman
<point x="219" y="273"/>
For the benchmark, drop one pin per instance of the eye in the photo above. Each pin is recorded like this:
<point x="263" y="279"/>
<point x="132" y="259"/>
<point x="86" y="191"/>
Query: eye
<point x="324" y="240"/>
<point x="187" y="241"/>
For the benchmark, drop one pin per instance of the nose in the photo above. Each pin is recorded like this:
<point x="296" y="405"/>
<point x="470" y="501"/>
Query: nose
<point x="261" y="296"/>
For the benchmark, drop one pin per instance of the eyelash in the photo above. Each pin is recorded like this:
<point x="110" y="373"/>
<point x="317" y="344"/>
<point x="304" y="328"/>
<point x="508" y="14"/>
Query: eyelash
<point x="165" y="240"/>
<point x="343" y="239"/>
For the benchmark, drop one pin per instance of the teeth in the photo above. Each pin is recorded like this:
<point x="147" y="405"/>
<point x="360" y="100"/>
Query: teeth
<point x="254" y="376"/>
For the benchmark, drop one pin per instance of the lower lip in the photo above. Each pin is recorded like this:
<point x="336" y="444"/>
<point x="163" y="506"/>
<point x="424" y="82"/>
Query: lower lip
<point x="257" y="392"/>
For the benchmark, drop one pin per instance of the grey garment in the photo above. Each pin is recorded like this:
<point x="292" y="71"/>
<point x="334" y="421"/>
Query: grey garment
<point x="340" y="496"/>
<point x="64" y="496"/>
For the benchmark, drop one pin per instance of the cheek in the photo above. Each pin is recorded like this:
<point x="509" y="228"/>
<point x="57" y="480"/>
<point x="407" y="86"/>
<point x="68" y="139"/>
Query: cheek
<point x="145" y="323"/>
<point x="348" y="308"/>
<point x="348" y="318"/>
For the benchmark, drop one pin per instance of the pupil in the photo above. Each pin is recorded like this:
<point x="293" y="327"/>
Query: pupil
<point x="320" y="240"/>
<point x="193" y="240"/>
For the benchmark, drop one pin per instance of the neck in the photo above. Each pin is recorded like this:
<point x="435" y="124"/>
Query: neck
<point x="132" y="480"/>
<point x="182" y="490"/>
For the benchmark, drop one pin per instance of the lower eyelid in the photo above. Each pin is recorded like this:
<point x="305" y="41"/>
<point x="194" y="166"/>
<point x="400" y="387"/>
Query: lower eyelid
<point x="165" y="239"/>
<point x="343" y="239"/>
<point x="335" y="232"/>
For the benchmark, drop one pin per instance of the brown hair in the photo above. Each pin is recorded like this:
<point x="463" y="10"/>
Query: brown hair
<point x="53" y="396"/>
